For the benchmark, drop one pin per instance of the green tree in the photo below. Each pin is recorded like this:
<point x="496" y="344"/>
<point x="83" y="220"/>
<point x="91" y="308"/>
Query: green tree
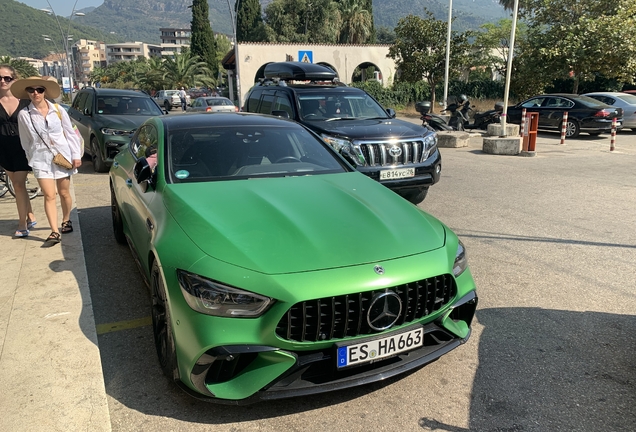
<point x="357" y="22"/>
<point x="202" y="41"/>
<point x="249" y="23"/>
<point x="186" y="70"/>
<point x="312" y="21"/>
<point x="582" y="39"/>
<point x="22" y="67"/>
<point x="419" y="50"/>
<point x="492" y="44"/>
<point x="385" y="35"/>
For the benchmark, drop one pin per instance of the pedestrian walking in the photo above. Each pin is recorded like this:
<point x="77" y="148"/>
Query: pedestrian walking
<point x="12" y="156"/>
<point x="182" y="96"/>
<point x="52" y="147"/>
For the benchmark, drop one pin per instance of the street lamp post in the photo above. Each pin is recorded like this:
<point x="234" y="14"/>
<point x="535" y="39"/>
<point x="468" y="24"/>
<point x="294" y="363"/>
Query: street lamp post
<point x="66" y="38"/>
<point x="234" y="17"/>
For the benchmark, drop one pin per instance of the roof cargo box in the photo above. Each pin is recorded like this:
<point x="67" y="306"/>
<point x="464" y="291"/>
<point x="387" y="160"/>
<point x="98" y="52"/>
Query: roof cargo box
<point x="299" y="71"/>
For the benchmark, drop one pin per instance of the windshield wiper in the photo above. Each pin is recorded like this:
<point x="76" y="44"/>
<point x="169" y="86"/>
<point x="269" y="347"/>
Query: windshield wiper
<point x="342" y="118"/>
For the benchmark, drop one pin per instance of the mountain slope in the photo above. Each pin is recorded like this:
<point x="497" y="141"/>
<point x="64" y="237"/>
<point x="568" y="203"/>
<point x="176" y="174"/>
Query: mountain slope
<point x="23" y="28"/>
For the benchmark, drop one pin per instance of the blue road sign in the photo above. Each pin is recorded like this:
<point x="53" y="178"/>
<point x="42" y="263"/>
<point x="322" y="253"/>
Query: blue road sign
<point x="306" y="56"/>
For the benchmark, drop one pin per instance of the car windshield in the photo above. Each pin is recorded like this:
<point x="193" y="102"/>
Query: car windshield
<point x="218" y="102"/>
<point x="213" y="153"/>
<point x="127" y="105"/>
<point x="353" y="105"/>
<point x="590" y="102"/>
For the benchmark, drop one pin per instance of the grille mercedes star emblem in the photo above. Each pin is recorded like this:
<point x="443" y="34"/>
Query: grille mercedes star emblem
<point x="384" y="310"/>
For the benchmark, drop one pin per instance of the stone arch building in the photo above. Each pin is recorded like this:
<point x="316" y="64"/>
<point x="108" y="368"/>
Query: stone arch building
<point x="344" y="59"/>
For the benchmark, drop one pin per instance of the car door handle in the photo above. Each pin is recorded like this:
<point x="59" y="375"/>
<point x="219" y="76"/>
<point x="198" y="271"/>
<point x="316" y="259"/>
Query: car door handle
<point x="149" y="224"/>
<point x="129" y="182"/>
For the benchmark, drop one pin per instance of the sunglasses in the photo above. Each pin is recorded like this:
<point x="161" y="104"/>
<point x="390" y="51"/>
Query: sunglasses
<point x="7" y="79"/>
<point x="36" y="89"/>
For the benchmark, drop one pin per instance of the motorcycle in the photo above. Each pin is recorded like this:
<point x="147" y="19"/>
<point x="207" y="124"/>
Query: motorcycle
<point x="429" y="120"/>
<point x="482" y="120"/>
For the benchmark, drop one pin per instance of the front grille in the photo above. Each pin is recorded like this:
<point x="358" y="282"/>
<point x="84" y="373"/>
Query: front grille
<point x="379" y="153"/>
<point x="346" y="315"/>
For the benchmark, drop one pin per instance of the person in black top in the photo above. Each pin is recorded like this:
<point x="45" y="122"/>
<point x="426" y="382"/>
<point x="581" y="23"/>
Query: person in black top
<point x="12" y="156"/>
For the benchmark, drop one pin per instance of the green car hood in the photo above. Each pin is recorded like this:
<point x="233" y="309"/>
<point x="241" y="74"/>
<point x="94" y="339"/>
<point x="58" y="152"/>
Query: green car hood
<point x="297" y="224"/>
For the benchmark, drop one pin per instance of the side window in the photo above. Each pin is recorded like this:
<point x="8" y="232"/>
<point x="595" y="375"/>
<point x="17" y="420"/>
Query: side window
<point x="252" y="102"/>
<point x="88" y="104"/>
<point x="533" y="103"/>
<point x="144" y="144"/>
<point x="266" y="104"/>
<point x="79" y="101"/>
<point x="282" y="103"/>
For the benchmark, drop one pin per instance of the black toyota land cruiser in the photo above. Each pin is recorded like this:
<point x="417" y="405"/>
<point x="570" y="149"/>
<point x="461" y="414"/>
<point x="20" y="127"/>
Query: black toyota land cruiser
<point x="402" y="156"/>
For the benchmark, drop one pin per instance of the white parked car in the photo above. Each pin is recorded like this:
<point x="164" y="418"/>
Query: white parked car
<point x="212" y="104"/>
<point x="169" y="99"/>
<point x="620" y="100"/>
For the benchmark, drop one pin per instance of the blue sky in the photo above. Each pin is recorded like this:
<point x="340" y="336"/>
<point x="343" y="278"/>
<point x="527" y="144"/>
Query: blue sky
<point x="62" y="7"/>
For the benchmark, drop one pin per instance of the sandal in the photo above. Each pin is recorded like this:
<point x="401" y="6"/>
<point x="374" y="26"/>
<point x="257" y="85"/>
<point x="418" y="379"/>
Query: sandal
<point x="67" y="227"/>
<point x="53" y="239"/>
<point x="22" y="233"/>
<point x="31" y="224"/>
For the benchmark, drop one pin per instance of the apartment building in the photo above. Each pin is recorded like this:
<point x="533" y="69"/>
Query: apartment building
<point x="173" y="40"/>
<point x="128" y="51"/>
<point x="88" y="55"/>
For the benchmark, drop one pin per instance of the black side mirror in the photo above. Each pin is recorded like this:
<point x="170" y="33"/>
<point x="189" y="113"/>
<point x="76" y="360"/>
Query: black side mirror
<point x="391" y="112"/>
<point x="280" y="113"/>
<point x="142" y="171"/>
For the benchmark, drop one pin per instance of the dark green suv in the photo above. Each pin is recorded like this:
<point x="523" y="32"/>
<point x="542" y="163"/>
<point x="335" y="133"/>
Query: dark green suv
<point x="107" y="118"/>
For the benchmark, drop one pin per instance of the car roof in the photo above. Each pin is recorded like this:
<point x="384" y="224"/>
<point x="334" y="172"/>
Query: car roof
<point x="117" y="92"/>
<point x="191" y="120"/>
<point x="606" y="93"/>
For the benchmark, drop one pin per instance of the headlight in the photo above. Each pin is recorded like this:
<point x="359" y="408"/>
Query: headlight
<point x="430" y="142"/>
<point x="116" y="132"/>
<point x="461" y="262"/>
<point x="212" y="298"/>
<point x="345" y="148"/>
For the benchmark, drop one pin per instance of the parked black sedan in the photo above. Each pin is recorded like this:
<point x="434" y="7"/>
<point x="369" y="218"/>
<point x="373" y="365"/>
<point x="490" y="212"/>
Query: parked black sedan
<point x="584" y="113"/>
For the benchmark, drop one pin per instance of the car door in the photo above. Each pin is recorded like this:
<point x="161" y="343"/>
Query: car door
<point x="80" y="114"/>
<point x="140" y="196"/>
<point x="553" y="109"/>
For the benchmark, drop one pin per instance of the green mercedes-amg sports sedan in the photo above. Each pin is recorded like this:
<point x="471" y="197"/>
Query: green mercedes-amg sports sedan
<point x="275" y="268"/>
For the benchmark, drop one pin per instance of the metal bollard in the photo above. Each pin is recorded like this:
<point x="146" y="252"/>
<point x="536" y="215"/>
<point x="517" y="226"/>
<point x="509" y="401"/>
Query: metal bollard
<point x="564" y="127"/>
<point x="613" y="135"/>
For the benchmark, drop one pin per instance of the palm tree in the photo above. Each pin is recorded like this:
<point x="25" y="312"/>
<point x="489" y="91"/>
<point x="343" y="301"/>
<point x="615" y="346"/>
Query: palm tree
<point x="186" y="70"/>
<point x="357" y="26"/>
<point x="22" y="67"/>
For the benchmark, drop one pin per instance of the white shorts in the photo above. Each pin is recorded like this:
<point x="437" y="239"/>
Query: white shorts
<point x="54" y="172"/>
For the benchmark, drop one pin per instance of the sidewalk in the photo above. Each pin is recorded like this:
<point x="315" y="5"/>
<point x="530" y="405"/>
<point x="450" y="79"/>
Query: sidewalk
<point x="50" y="368"/>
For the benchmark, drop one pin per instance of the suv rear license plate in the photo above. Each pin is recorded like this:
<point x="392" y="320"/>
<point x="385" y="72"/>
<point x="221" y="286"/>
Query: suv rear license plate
<point x="397" y="173"/>
<point x="376" y="349"/>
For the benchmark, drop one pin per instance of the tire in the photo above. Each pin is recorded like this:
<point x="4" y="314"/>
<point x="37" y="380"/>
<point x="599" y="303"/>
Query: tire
<point x="118" y="223"/>
<point x="572" y="129"/>
<point x="162" y="326"/>
<point x="98" y="161"/>
<point x="32" y="186"/>
<point x="417" y="196"/>
<point x="167" y="105"/>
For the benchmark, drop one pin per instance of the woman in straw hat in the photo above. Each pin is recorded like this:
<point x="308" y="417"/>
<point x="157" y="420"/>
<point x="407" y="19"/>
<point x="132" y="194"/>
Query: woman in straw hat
<point x="46" y="131"/>
<point x="12" y="157"/>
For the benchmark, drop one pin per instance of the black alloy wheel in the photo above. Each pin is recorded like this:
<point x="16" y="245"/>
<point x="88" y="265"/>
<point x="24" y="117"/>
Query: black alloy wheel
<point x="572" y="129"/>
<point x="161" y="326"/>
<point x="98" y="161"/>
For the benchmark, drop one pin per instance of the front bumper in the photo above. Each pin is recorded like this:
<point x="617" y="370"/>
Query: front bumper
<point x="427" y="174"/>
<point x="112" y="146"/>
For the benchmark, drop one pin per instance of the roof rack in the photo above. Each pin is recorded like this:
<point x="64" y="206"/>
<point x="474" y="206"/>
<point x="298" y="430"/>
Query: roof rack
<point x="280" y="72"/>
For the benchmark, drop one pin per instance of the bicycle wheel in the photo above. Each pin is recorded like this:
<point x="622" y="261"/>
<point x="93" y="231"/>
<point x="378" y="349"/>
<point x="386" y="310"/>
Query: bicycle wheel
<point x="32" y="186"/>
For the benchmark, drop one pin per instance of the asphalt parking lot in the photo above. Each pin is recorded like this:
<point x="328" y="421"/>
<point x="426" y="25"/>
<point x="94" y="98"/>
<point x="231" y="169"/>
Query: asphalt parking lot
<point x="552" y="246"/>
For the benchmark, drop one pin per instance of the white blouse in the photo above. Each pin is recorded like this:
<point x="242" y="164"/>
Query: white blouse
<point x="58" y="135"/>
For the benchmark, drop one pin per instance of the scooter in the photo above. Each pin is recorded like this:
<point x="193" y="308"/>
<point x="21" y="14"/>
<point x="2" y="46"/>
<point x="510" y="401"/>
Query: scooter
<point x="482" y="120"/>
<point x="429" y="120"/>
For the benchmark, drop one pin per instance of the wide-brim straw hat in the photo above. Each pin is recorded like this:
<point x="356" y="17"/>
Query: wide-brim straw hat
<point x="18" y="89"/>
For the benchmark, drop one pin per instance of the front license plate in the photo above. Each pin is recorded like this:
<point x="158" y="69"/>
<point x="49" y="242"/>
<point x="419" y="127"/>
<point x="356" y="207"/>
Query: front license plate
<point x="397" y="173"/>
<point x="372" y="350"/>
